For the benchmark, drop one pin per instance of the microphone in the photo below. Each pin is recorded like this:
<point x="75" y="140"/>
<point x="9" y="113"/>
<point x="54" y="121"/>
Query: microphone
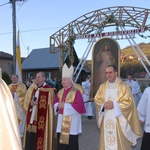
<point x="57" y="109"/>
<point x="103" y="109"/>
<point x="34" y="99"/>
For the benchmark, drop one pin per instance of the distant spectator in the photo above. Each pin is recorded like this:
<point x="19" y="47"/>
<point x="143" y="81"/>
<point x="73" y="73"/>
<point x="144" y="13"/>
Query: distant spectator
<point x="51" y="83"/>
<point x="135" y="88"/>
<point x="86" y="85"/>
<point x="29" y="82"/>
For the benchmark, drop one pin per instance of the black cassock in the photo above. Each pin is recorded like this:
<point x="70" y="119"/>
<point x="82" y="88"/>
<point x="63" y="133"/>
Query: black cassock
<point x="73" y="143"/>
<point x="145" y="141"/>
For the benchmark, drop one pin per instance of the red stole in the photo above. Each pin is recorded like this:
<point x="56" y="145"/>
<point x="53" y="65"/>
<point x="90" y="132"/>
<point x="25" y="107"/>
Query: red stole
<point x="40" y="121"/>
<point x="14" y="87"/>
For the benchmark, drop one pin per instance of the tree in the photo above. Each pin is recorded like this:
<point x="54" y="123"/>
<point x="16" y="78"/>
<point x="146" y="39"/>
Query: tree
<point x="6" y="78"/>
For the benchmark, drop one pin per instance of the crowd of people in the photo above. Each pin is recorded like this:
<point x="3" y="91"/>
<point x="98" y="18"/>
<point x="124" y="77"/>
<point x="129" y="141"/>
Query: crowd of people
<point x="47" y="120"/>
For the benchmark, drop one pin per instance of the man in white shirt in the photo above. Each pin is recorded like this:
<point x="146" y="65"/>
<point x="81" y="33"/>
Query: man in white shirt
<point x="86" y="97"/>
<point x="144" y="112"/>
<point x="135" y="88"/>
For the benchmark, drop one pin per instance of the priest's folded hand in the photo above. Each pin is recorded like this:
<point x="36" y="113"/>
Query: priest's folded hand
<point x="61" y="105"/>
<point x="33" y="103"/>
<point x="109" y="105"/>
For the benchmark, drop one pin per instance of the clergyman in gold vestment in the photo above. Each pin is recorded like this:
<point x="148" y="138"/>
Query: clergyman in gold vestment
<point x="115" y="107"/>
<point x="40" y="123"/>
<point x="19" y="90"/>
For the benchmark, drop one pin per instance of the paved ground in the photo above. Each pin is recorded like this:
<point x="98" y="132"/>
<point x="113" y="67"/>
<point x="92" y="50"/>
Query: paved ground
<point x="89" y="139"/>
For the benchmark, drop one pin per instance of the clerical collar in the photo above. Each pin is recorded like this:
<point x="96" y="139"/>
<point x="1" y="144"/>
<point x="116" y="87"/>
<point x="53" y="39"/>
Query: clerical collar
<point x="14" y="83"/>
<point x="111" y="85"/>
<point x="68" y="87"/>
<point x="130" y="80"/>
<point x="39" y="86"/>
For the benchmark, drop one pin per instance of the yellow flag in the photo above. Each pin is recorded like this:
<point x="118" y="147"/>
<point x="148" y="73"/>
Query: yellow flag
<point x="18" y="60"/>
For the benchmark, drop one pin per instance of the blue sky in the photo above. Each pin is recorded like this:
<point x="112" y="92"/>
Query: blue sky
<point x="39" y="19"/>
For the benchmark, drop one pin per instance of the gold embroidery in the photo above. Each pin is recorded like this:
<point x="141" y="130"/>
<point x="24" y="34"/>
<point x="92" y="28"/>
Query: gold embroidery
<point x="66" y="126"/>
<point x="39" y="143"/>
<point x="14" y="88"/>
<point x="110" y="134"/>
<point x="65" y="130"/>
<point x="41" y="123"/>
<point x="66" y="122"/>
<point x="70" y="96"/>
<point x="110" y="124"/>
<point x="42" y="102"/>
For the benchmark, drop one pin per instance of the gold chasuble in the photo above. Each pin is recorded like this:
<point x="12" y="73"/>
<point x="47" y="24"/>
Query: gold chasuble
<point x="117" y="133"/>
<point x="79" y="87"/>
<point x="9" y="129"/>
<point x="20" y="90"/>
<point x="66" y="122"/>
<point x="43" y="121"/>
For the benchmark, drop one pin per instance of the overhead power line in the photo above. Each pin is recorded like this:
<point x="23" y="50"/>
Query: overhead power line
<point x="32" y="30"/>
<point x="19" y="2"/>
<point x="4" y="4"/>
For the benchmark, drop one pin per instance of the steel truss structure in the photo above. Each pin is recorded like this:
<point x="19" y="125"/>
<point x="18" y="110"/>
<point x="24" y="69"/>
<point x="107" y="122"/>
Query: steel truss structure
<point x="120" y="17"/>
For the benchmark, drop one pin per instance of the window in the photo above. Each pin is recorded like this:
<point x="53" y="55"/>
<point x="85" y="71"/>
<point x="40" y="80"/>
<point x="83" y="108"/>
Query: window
<point x="29" y="75"/>
<point x="48" y="75"/>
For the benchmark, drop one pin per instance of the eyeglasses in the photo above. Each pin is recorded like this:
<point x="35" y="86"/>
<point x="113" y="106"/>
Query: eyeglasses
<point x="110" y="72"/>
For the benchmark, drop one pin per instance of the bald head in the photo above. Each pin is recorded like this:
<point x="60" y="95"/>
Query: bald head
<point x="40" y="78"/>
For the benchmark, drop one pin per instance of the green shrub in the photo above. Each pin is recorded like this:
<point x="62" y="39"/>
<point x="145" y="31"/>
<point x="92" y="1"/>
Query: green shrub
<point x="6" y="78"/>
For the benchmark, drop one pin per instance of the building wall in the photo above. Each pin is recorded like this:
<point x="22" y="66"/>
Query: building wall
<point x="6" y="65"/>
<point x="54" y="73"/>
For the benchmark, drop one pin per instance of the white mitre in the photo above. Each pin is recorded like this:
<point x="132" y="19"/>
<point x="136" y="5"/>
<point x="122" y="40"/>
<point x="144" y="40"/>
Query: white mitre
<point x="67" y="72"/>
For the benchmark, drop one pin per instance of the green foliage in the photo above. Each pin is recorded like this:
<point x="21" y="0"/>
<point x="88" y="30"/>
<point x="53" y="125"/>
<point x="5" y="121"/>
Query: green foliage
<point x="69" y="47"/>
<point x="142" y="89"/>
<point x="88" y="64"/>
<point x="6" y="78"/>
<point x="108" y="20"/>
<point x="132" y="67"/>
<point x="129" y="51"/>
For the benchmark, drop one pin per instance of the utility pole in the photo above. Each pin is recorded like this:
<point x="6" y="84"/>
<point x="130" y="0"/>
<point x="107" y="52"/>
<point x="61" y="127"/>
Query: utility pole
<point x="14" y="32"/>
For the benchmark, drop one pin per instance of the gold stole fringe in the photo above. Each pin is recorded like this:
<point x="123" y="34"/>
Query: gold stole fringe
<point x="65" y="130"/>
<point x="66" y="122"/>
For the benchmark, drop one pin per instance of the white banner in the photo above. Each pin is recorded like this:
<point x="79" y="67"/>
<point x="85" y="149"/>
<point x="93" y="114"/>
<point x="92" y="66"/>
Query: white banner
<point x="119" y="34"/>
